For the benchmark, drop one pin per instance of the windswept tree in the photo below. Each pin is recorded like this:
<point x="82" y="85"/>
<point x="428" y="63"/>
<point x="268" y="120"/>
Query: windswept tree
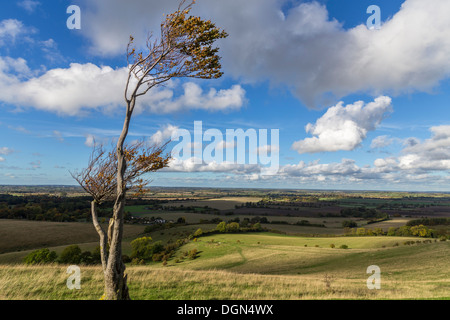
<point x="184" y="49"/>
<point x="99" y="180"/>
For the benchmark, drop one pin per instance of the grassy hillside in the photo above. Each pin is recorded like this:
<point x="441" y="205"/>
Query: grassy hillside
<point x="278" y="254"/>
<point x="260" y="266"/>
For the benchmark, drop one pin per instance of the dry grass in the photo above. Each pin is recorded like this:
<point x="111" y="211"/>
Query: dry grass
<point x="147" y="283"/>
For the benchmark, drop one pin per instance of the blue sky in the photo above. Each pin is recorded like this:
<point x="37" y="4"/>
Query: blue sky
<point x="355" y="108"/>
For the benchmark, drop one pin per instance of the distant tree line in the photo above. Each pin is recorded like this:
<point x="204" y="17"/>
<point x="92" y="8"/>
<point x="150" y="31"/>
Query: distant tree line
<point x="44" y="207"/>
<point x="429" y="222"/>
<point x="56" y="208"/>
<point x="193" y="209"/>
<point x="403" y="231"/>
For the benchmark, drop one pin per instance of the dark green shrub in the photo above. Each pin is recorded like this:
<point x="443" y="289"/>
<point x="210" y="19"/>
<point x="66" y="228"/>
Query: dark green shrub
<point x="70" y="255"/>
<point x="349" y="224"/>
<point x="86" y="258"/>
<point x="40" y="256"/>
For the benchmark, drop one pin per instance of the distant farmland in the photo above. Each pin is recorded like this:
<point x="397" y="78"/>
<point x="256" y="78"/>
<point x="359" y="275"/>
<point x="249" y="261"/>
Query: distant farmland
<point x="19" y="235"/>
<point x="226" y="203"/>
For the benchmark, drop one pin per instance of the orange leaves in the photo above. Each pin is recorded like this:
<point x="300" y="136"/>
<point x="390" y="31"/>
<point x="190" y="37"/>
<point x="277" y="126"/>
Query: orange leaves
<point x="99" y="178"/>
<point x="185" y="49"/>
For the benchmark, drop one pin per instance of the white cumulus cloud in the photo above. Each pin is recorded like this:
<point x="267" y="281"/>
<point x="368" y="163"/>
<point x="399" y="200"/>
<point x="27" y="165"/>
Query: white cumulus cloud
<point x="163" y="134"/>
<point x="302" y="47"/>
<point x="344" y="127"/>
<point x="82" y="87"/>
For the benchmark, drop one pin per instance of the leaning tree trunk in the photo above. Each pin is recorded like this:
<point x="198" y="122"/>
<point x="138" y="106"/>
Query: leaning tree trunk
<point x="115" y="278"/>
<point x="102" y="234"/>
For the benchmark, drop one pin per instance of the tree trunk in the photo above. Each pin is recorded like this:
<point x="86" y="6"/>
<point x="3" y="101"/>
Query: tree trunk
<point x="101" y="233"/>
<point x="115" y="279"/>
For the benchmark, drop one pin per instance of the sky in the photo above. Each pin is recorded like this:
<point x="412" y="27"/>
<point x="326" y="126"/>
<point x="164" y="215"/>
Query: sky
<point x="355" y="107"/>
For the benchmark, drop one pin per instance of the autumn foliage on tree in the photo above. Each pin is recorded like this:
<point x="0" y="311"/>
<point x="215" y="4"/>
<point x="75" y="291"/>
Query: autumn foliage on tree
<point x="184" y="49"/>
<point x="99" y="179"/>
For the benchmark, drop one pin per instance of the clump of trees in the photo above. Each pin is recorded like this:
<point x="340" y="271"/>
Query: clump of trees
<point x="415" y="231"/>
<point x="429" y="222"/>
<point x="70" y="255"/>
<point x="403" y="231"/>
<point x="145" y="251"/>
<point x="41" y="256"/>
<point x="233" y="227"/>
<point x="349" y="224"/>
<point x="363" y="212"/>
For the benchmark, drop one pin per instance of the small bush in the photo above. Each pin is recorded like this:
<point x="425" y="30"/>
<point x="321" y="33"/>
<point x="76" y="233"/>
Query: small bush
<point x="257" y="226"/>
<point x="193" y="254"/>
<point x="344" y="246"/>
<point x="332" y="245"/>
<point x="198" y="233"/>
